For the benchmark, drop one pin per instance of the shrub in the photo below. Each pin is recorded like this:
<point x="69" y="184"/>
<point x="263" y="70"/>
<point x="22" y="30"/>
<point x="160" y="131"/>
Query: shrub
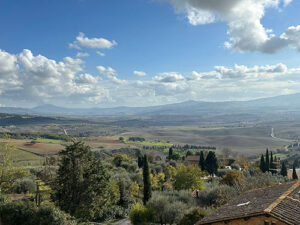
<point x="193" y="216"/>
<point x="169" y="206"/>
<point x="233" y="177"/>
<point x="140" y="214"/>
<point x="25" y="185"/>
<point x="25" y="213"/>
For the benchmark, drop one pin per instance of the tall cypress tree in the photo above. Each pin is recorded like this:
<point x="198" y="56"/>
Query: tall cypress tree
<point x="295" y="176"/>
<point x="202" y="161"/>
<point x="283" y="171"/>
<point x="211" y="163"/>
<point x="271" y="160"/>
<point x="147" y="181"/>
<point x="262" y="165"/>
<point x="170" y="153"/>
<point x="272" y="163"/>
<point x="267" y="160"/>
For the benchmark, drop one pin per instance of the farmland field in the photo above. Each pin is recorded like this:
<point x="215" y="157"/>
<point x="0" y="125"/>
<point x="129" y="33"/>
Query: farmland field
<point x="21" y="157"/>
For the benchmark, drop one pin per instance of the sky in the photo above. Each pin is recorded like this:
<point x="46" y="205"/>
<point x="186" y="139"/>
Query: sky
<point x="107" y="53"/>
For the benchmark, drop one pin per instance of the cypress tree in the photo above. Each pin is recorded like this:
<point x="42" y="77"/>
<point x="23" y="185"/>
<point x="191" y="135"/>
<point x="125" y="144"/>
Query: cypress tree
<point x="147" y="181"/>
<point x="272" y="163"/>
<point x="267" y="160"/>
<point x="140" y="161"/>
<point x="211" y="163"/>
<point x="271" y="160"/>
<point x="170" y="153"/>
<point x="202" y="161"/>
<point x="283" y="171"/>
<point x="262" y="165"/>
<point x="295" y="176"/>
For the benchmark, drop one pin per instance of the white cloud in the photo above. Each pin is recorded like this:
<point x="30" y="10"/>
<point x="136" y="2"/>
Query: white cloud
<point x="27" y="79"/>
<point x="98" y="43"/>
<point x="111" y="74"/>
<point x="37" y="79"/>
<point x="82" y="54"/>
<point x="169" y="77"/>
<point x="107" y="71"/>
<point x="100" y="53"/>
<point x="139" y="73"/>
<point x="243" y="19"/>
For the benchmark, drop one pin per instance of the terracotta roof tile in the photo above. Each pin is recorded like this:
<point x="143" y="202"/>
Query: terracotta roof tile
<point x="254" y="202"/>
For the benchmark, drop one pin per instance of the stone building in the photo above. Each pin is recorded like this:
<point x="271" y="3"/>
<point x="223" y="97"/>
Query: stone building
<point x="275" y="205"/>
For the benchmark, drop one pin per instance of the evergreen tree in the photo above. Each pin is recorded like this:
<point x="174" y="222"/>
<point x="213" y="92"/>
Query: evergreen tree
<point x="82" y="183"/>
<point x="124" y="200"/>
<point x="202" y="161"/>
<point x="140" y="161"/>
<point x="283" y="171"/>
<point x="170" y="153"/>
<point x="262" y="165"/>
<point x="267" y="160"/>
<point x="146" y="180"/>
<point x="272" y="164"/>
<point x="211" y="163"/>
<point x="271" y="161"/>
<point x="295" y="176"/>
<point x="139" y="158"/>
<point x="189" y="153"/>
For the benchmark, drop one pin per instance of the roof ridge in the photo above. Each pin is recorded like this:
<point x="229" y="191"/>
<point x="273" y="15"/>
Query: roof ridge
<point x="268" y="187"/>
<point x="282" y="197"/>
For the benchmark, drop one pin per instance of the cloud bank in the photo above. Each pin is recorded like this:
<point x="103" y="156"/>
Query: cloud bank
<point x="28" y="80"/>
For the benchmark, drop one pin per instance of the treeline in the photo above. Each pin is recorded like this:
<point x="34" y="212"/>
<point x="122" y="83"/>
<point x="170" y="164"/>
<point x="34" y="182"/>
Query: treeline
<point x="136" y="139"/>
<point x="35" y="136"/>
<point x="186" y="147"/>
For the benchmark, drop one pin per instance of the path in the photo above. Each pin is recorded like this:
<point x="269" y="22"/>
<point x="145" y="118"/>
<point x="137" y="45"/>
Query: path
<point x="123" y="222"/>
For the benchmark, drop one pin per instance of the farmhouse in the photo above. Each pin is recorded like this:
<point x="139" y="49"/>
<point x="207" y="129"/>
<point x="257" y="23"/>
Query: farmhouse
<point x="192" y="160"/>
<point x="275" y="205"/>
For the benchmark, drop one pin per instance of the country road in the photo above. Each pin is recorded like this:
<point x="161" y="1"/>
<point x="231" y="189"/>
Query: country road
<point x="280" y="139"/>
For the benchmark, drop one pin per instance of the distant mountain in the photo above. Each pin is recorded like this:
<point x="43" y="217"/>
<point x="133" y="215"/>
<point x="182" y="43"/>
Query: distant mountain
<point x="284" y="103"/>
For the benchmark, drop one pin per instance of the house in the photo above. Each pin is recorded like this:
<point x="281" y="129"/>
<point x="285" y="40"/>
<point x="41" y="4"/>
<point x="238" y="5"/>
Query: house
<point x="192" y="160"/>
<point x="275" y="205"/>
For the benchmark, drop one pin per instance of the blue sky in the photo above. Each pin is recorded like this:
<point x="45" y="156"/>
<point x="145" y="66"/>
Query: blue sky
<point x="176" y="43"/>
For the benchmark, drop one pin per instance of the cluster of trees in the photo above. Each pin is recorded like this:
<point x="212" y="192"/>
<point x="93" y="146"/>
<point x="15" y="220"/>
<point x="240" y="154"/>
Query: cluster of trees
<point x="210" y="163"/>
<point x="268" y="163"/>
<point x="197" y="147"/>
<point x="35" y="136"/>
<point x="139" y="139"/>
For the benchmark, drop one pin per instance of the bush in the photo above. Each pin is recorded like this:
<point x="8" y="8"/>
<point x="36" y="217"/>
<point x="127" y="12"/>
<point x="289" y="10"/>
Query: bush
<point x="169" y="206"/>
<point x="233" y="177"/>
<point x="193" y="216"/>
<point x="25" y="185"/>
<point x="140" y="214"/>
<point x="25" y="213"/>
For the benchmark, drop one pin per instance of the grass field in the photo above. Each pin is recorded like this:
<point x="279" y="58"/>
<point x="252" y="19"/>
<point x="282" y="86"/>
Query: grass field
<point x="21" y="158"/>
<point x="149" y="143"/>
<point x="50" y="140"/>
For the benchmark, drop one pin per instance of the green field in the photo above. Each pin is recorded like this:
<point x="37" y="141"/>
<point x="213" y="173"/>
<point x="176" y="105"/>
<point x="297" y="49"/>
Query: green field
<point x="21" y="157"/>
<point x="149" y="143"/>
<point x="50" y="140"/>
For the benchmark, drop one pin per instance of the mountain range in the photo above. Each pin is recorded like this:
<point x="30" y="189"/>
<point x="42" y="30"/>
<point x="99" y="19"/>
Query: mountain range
<point x="279" y="104"/>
